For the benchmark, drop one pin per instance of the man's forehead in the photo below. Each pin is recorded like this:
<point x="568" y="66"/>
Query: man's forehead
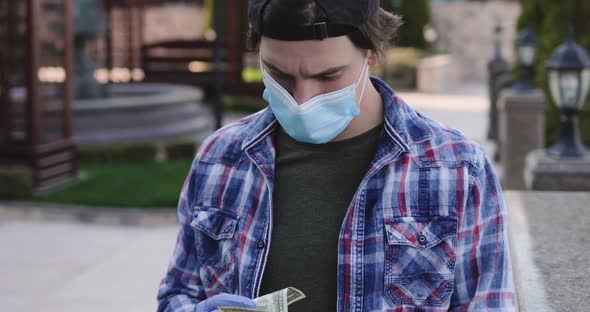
<point x="308" y="57"/>
<point x="309" y="71"/>
<point x="329" y="48"/>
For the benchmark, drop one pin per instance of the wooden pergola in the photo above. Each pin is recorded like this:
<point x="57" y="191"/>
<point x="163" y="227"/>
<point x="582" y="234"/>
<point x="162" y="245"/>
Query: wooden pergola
<point x="36" y="114"/>
<point x="168" y="61"/>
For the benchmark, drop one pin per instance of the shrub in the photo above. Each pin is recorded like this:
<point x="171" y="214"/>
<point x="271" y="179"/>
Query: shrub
<point x="415" y="15"/>
<point x="399" y="67"/>
<point x="550" y="20"/>
<point x="16" y="182"/>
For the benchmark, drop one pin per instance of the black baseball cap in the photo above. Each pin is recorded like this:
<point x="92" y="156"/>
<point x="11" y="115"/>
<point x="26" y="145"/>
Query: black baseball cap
<point x="342" y="17"/>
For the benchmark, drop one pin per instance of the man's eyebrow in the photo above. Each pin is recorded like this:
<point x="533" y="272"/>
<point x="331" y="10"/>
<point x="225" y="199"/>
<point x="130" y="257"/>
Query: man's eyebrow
<point x="327" y="72"/>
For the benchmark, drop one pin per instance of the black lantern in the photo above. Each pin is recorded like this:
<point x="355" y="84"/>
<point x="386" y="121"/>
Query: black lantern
<point x="568" y="71"/>
<point x="526" y="52"/>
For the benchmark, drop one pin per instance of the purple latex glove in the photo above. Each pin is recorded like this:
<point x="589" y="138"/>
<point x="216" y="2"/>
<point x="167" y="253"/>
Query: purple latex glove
<point x="224" y="300"/>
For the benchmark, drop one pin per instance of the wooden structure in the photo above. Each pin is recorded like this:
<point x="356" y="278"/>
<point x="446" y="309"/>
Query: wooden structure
<point x="168" y="61"/>
<point x="36" y="114"/>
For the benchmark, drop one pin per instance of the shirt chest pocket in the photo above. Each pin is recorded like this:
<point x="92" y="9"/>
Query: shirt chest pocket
<point x="215" y="236"/>
<point x="419" y="260"/>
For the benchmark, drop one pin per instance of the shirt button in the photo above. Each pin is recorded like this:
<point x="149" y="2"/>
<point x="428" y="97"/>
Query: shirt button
<point x="261" y="244"/>
<point x="422" y="239"/>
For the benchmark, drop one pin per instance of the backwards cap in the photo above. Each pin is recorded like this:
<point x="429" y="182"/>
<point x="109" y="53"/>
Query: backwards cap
<point x="342" y="17"/>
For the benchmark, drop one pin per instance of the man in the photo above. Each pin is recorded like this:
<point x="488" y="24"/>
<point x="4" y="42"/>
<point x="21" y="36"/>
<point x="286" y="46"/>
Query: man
<point x="339" y="188"/>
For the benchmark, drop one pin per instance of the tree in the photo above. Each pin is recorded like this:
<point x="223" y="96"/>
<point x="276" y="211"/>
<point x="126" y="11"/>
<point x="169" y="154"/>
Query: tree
<point x="416" y="15"/>
<point x="550" y="20"/>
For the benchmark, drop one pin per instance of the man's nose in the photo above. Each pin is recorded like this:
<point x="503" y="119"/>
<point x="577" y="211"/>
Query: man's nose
<point x="304" y="90"/>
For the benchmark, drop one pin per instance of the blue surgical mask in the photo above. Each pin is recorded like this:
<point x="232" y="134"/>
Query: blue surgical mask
<point x="321" y="118"/>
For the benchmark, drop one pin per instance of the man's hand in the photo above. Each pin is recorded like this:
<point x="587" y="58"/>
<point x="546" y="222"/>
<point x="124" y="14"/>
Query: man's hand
<point x="225" y="300"/>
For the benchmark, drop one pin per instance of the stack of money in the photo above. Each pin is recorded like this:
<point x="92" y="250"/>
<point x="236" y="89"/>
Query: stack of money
<point x="277" y="301"/>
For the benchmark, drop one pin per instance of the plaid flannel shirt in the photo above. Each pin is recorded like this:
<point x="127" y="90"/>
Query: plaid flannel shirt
<point x="425" y="231"/>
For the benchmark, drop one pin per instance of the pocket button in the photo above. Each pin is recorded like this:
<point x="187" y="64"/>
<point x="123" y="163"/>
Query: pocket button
<point x="261" y="244"/>
<point x="422" y="239"/>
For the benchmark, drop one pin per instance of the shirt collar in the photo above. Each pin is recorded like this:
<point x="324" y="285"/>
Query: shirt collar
<point x="403" y="124"/>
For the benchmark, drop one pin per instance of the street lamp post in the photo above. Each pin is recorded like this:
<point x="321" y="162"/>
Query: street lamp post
<point x="526" y="51"/>
<point x="499" y="77"/>
<point x="568" y="71"/>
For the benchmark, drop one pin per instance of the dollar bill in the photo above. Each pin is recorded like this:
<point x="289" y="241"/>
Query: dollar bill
<point x="277" y="301"/>
<point x="294" y="295"/>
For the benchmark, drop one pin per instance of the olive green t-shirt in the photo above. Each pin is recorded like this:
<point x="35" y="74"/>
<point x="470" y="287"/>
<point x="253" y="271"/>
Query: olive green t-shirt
<point x="314" y="185"/>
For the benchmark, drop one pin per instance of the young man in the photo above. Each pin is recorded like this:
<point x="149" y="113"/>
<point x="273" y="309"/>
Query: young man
<point x="339" y="188"/>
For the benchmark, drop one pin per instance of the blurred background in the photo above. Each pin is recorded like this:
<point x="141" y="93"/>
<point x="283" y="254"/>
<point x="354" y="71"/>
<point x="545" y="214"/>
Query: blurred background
<point x="104" y="103"/>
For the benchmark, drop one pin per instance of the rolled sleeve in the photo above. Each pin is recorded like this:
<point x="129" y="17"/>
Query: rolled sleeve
<point x="181" y="288"/>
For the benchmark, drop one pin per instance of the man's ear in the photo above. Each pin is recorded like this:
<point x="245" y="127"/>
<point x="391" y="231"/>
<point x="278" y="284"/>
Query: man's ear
<point x="372" y="58"/>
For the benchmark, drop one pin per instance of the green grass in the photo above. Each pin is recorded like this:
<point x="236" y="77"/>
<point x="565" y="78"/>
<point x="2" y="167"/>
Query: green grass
<point x="141" y="185"/>
<point x="243" y="104"/>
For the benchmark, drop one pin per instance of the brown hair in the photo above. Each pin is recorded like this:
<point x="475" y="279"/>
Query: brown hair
<point x="376" y="34"/>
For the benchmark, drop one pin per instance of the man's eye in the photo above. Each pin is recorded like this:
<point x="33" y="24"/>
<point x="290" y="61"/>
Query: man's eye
<point x="327" y="78"/>
<point x="280" y="75"/>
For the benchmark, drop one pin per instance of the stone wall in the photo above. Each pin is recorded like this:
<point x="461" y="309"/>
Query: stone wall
<point x="466" y="30"/>
<point x="174" y="21"/>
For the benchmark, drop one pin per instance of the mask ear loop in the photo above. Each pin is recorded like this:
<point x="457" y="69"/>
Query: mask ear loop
<point x="262" y="70"/>
<point x="358" y="104"/>
<point x="260" y="63"/>
<point x="356" y="85"/>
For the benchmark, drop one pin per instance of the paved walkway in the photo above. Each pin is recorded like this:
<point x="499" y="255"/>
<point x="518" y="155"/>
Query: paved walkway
<point x="71" y="267"/>
<point x="54" y="262"/>
<point x="550" y="240"/>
